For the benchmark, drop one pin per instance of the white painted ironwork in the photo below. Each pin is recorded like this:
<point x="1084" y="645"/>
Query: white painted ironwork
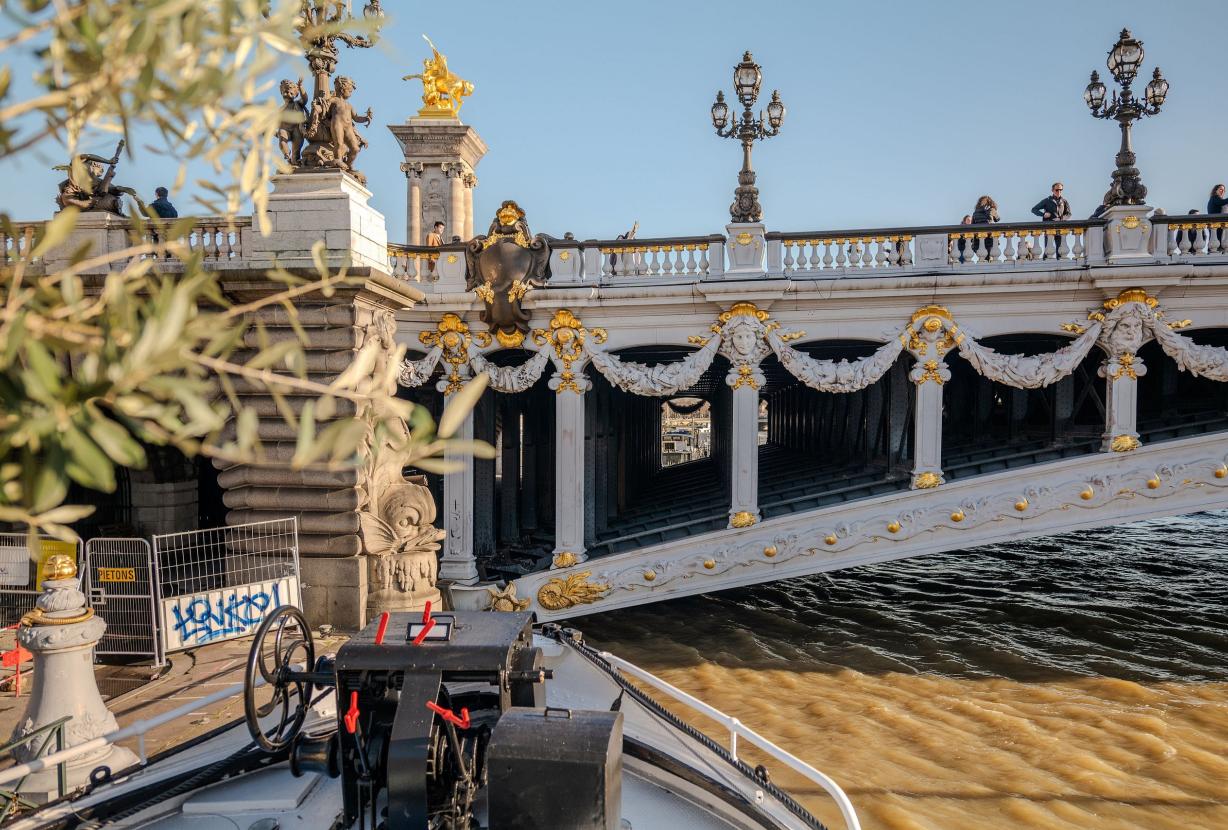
<point x="138" y="729"/>
<point x="121" y="584"/>
<point x="219" y="583"/>
<point x="738" y="729"/>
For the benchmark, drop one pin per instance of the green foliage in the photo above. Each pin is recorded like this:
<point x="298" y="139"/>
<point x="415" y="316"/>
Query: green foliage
<point x="102" y="353"/>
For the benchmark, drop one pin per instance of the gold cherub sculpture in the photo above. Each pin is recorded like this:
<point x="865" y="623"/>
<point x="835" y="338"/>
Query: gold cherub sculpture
<point x="442" y="91"/>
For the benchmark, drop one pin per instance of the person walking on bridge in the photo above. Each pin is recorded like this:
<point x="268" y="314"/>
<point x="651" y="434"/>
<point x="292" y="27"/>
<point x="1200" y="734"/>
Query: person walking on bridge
<point x="1054" y="207"/>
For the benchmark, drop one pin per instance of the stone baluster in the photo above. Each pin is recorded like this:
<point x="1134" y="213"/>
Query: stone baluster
<point x="1063" y="250"/>
<point x="1077" y="250"/>
<point x="828" y="261"/>
<point x="813" y="260"/>
<point x="61" y="634"/>
<point x="930" y="339"/>
<point x="789" y="263"/>
<point x="702" y="265"/>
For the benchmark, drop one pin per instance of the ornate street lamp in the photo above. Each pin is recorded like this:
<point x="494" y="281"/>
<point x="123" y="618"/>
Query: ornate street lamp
<point x="321" y="24"/>
<point x="747" y="78"/>
<point x="1124" y="61"/>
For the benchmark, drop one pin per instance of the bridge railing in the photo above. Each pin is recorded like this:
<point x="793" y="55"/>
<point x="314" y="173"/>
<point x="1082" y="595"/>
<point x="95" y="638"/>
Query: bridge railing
<point x="1055" y="244"/>
<point x="17" y="240"/>
<point x="1193" y="236"/>
<point x="415" y="263"/>
<point x="216" y="238"/>
<point x="680" y="256"/>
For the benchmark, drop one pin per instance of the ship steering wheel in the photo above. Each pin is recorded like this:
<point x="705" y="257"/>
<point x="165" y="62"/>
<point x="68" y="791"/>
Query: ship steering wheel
<point x="278" y="663"/>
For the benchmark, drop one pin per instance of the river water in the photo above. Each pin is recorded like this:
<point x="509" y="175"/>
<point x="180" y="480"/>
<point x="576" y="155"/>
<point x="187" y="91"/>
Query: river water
<point x="1076" y="681"/>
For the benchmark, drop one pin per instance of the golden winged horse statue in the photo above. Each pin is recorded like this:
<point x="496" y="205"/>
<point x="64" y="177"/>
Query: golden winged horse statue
<point x="442" y="90"/>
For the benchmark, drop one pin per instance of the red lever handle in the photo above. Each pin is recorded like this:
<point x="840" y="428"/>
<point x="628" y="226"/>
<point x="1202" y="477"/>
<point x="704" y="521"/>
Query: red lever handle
<point x="383" y="628"/>
<point x="426" y="613"/>
<point x="351" y="717"/>
<point x="462" y="721"/>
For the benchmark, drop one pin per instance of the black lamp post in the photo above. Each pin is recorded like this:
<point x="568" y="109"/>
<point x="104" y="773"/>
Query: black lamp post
<point x="1124" y="60"/>
<point x="746" y="80"/>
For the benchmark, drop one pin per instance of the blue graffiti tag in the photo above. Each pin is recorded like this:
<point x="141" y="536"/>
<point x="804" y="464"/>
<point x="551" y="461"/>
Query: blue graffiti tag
<point x="201" y="622"/>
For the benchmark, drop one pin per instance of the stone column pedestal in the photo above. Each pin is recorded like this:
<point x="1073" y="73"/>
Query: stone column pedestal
<point x="335" y="574"/>
<point x="1127" y="234"/>
<point x="331" y="206"/>
<point x="569" y="468"/>
<point x="458" y="563"/>
<point x="744" y="505"/>
<point x="439" y="147"/>
<point x="62" y="637"/>
<point x="1121" y="374"/>
<point x="746" y="250"/>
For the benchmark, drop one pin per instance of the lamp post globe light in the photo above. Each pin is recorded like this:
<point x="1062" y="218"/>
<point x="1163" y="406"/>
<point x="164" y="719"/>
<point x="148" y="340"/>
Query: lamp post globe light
<point x="747" y="78"/>
<point x="1123" y="62"/>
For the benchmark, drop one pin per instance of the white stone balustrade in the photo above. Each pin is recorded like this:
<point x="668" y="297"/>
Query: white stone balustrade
<point x="794" y="254"/>
<point x="681" y="257"/>
<point x="17" y="241"/>
<point x="1014" y="244"/>
<point x="1197" y="235"/>
<point x="415" y="263"/>
<point x="216" y="238"/>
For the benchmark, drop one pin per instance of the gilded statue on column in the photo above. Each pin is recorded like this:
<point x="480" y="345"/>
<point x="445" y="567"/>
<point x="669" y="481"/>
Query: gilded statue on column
<point x="443" y="92"/>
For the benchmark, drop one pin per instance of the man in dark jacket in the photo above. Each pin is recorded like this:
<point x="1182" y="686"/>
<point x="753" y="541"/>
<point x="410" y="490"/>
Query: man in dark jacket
<point x="162" y="205"/>
<point x="1054" y="207"/>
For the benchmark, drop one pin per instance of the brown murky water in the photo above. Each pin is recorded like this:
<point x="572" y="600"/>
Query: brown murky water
<point x="1072" y="682"/>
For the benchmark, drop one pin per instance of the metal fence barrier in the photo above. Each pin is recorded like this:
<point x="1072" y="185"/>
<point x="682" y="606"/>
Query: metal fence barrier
<point x="19" y="572"/>
<point x="218" y="584"/>
<point x="122" y="585"/>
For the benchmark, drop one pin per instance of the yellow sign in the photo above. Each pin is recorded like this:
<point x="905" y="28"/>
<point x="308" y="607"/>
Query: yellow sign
<point x="49" y="548"/>
<point x="117" y="574"/>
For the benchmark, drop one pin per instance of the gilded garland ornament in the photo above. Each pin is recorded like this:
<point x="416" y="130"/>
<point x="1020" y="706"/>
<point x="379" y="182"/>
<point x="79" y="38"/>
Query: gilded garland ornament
<point x="453" y="337"/>
<point x="566" y="336"/>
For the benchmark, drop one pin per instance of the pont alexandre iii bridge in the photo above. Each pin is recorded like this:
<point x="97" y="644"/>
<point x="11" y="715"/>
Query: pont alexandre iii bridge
<point x="873" y="394"/>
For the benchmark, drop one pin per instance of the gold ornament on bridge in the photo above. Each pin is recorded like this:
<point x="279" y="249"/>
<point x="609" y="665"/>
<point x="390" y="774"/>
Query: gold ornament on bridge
<point x="1124" y="443"/>
<point x="566" y="336"/>
<point x="927" y="480"/>
<point x="453" y="338"/>
<point x="742" y="519"/>
<point x="443" y="91"/>
<point x="558" y="594"/>
<point x="501" y="267"/>
<point x="564" y="559"/>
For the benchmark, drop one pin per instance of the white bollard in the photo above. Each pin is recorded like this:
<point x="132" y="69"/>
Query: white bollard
<point x="61" y="633"/>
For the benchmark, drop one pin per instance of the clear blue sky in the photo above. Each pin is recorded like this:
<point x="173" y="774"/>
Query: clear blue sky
<point x="596" y="114"/>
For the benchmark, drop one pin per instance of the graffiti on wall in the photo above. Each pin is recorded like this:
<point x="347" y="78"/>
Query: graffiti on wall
<point x="195" y="619"/>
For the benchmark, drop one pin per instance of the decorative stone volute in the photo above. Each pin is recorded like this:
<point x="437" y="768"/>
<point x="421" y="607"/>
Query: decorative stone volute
<point x="61" y="632"/>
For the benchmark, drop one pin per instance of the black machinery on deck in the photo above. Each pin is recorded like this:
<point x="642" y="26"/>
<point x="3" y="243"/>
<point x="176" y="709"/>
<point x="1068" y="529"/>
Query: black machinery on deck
<point x="441" y="724"/>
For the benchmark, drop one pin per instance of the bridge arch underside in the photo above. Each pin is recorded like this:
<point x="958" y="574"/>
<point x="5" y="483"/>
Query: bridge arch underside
<point x="824" y="448"/>
<point x="815" y="449"/>
<point x="988" y="427"/>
